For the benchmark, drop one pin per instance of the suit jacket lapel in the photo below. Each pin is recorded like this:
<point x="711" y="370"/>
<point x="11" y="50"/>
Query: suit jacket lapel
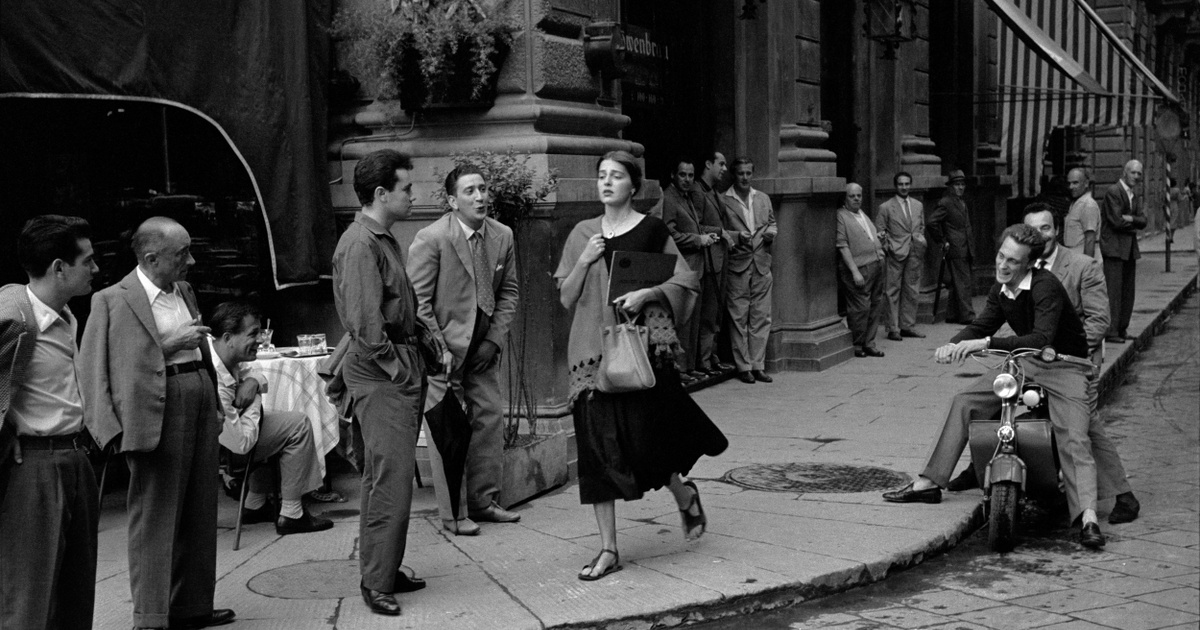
<point x="459" y="240"/>
<point x="135" y="296"/>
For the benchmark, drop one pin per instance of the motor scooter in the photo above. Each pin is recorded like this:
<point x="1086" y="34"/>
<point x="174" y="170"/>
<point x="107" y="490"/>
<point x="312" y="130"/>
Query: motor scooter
<point x="1020" y="451"/>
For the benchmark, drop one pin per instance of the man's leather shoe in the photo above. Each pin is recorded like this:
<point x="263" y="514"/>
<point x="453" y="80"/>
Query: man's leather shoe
<point x="723" y="367"/>
<point x="745" y="377"/>
<point x="907" y="332"/>
<point x="265" y="514"/>
<point x="870" y="351"/>
<point x="1125" y="510"/>
<point x="1114" y="339"/>
<point x="761" y="376"/>
<point x="966" y="480"/>
<point x="1090" y="536"/>
<point x="908" y="495"/>
<point x="461" y="527"/>
<point x="699" y="375"/>
<point x="217" y="617"/>
<point x="494" y="514"/>
<point x="406" y="584"/>
<point x="858" y="352"/>
<point x="895" y="336"/>
<point x="380" y="603"/>
<point x="307" y="523"/>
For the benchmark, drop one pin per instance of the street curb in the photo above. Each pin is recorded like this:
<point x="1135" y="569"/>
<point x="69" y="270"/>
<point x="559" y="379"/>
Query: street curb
<point x="787" y="595"/>
<point x="1112" y="378"/>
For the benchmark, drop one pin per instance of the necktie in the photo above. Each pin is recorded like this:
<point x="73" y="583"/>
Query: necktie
<point x="483" y="276"/>
<point x="907" y="214"/>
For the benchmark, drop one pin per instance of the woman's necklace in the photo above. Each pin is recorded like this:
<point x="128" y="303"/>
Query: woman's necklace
<point x="612" y="230"/>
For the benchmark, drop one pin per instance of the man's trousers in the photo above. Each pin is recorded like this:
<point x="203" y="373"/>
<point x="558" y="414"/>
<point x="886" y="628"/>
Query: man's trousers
<point x="962" y="289"/>
<point x="287" y="434"/>
<point x="749" y="307"/>
<point x="1066" y="390"/>
<point x="862" y="303"/>
<point x="903" y="289"/>
<point x="1120" y="276"/>
<point x="712" y="315"/>
<point x="388" y="410"/>
<point x="172" y="508"/>
<point x="48" y="520"/>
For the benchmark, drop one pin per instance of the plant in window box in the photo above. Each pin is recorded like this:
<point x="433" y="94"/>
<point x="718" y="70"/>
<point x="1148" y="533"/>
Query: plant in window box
<point x="424" y="52"/>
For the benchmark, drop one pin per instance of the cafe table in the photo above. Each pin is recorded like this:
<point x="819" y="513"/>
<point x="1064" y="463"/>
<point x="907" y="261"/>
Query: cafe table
<point x="293" y="384"/>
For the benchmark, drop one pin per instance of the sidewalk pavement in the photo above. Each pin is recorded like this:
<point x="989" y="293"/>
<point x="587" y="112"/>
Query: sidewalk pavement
<point x="763" y="549"/>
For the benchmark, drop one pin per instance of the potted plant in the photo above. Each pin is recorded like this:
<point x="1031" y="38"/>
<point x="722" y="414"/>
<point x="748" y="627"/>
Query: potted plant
<point x="533" y="462"/>
<point x="425" y="52"/>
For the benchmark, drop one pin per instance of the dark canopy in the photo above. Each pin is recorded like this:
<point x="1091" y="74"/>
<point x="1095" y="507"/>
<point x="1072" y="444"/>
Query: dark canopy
<point x="257" y="69"/>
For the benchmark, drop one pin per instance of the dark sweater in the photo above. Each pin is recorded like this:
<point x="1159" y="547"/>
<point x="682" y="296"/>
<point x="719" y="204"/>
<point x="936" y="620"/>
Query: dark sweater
<point x="1041" y="316"/>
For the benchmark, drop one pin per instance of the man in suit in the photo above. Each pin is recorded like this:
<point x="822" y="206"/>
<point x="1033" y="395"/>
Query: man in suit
<point x="1122" y="217"/>
<point x="949" y="226"/>
<point x="749" y="214"/>
<point x="383" y="369"/>
<point x="712" y="284"/>
<point x="464" y="273"/>
<point x="900" y="223"/>
<point x="49" y="510"/>
<point x="148" y="387"/>
<point x="682" y="208"/>
<point x="246" y="426"/>
<point x="1036" y="307"/>
<point x="860" y="276"/>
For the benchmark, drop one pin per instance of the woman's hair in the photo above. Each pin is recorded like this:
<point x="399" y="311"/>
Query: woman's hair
<point x="626" y="159"/>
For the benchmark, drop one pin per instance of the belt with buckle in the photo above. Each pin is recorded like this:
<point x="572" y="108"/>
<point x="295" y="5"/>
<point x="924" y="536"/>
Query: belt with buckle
<point x="184" y="368"/>
<point x="73" y="441"/>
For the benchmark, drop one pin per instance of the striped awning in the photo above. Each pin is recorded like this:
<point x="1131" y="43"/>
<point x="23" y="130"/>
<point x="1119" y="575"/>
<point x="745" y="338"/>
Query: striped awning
<point x="1038" y="95"/>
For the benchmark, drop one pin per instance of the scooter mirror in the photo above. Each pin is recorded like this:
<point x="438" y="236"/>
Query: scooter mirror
<point x="1048" y="354"/>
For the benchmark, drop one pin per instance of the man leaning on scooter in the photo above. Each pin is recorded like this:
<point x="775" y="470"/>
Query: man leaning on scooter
<point x="1037" y="308"/>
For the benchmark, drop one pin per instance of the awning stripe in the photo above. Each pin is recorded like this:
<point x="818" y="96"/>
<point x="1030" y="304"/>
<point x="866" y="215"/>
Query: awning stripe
<point x="1037" y="97"/>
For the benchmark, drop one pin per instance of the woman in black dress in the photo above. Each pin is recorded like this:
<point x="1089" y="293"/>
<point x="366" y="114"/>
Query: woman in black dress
<point x="637" y="441"/>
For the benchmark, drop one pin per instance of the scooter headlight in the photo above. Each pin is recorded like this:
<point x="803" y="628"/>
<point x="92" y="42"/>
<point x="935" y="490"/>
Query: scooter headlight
<point x="1005" y="385"/>
<point x="1031" y="398"/>
<point x="1006" y="433"/>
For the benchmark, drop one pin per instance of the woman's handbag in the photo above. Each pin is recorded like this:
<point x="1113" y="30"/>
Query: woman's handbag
<point x="625" y="364"/>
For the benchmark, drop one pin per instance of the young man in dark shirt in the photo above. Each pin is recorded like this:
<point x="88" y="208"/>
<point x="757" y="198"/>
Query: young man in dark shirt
<point x="1034" y="303"/>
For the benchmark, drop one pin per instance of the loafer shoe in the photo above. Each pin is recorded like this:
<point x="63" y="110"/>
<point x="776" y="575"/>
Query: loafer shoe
<point x="908" y="495"/>
<point x="307" y="523"/>
<point x="872" y="352"/>
<point x="895" y="336"/>
<point x="858" y="352"/>
<point x="494" y="514"/>
<point x="761" y="376"/>
<point x="966" y="480"/>
<point x="1090" y="536"/>
<point x="217" y="617"/>
<point x="380" y="603"/>
<point x="723" y="367"/>
<point x="745" y="377"/>
<point x="265" y="514"/>
<point x="1125" y="510"/>
<point x="907" y="332"/>
<point x="461" y="527"/>
<point x="406" y="584"/>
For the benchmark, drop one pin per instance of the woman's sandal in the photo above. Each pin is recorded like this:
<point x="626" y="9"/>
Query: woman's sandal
<point x="586" y="573"/>
<point x="699" y="521"/>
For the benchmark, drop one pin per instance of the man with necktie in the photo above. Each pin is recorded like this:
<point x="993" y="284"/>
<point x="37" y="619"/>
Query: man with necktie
<point x="1121" y="212"/>
<point x="900" y="223"/>
<point x="464" y="272"/>
<point x="949" y="226"/>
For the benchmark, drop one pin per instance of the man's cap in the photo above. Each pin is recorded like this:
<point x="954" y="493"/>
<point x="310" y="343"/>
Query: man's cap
<point x="955" y="176"/>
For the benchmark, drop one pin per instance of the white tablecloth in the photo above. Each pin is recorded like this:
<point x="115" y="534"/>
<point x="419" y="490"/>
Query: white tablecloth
<point x="294" y="385"/>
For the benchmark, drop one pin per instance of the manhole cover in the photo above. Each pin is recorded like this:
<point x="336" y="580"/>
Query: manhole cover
<point x="324" y="579"/>
<point x="815" y="478"/>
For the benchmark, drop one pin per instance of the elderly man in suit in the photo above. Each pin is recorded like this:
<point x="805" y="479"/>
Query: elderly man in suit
<point x="683" y="208"/>
<point x="49" y="510"/>
<point x="1122" y="217"/>
<point x="148" y="386"/>
<point x="749" y="215"/>
<point x="860" y="275"/>
<point x="900" y="223"/>
<point x="464" y="273"/>
<point x="949" y="225"/>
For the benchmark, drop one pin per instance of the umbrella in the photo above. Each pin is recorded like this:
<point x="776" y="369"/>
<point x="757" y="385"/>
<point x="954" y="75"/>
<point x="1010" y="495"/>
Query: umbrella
<point x="451" y="433"/>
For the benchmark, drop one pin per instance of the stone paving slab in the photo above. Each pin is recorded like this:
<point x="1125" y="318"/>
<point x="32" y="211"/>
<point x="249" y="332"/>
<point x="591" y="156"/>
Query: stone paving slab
<point x="762" y="550"/>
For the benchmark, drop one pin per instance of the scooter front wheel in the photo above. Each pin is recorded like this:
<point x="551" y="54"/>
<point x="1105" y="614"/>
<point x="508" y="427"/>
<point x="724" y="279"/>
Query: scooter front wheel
<point x="1002" y="526"/>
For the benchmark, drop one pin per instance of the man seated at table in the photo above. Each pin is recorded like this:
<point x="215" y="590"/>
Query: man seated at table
<point x="288" y="434"/>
